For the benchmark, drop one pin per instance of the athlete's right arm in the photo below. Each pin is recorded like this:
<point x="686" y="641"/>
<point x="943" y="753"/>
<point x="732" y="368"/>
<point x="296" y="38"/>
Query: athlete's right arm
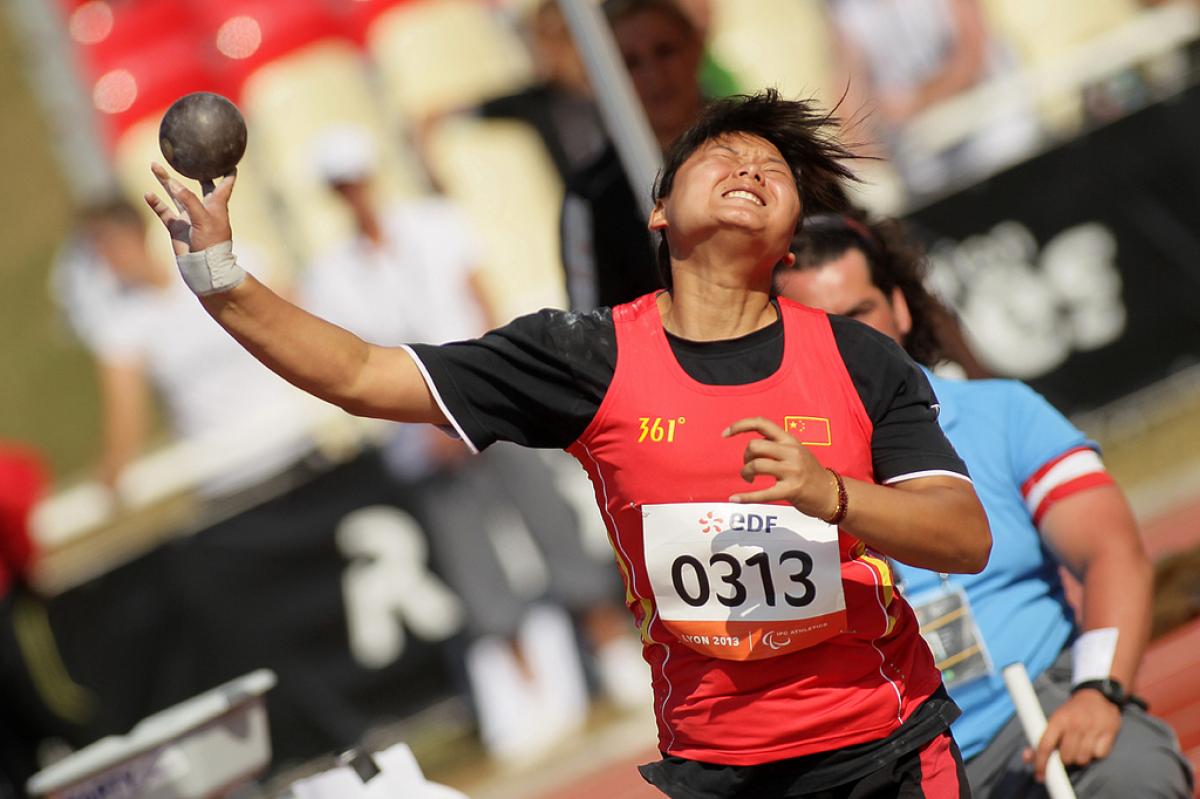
<point x="312" y="354"/>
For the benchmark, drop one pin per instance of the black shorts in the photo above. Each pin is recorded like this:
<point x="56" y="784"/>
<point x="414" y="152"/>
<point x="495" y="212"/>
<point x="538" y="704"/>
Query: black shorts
<point x="918" y="761"/>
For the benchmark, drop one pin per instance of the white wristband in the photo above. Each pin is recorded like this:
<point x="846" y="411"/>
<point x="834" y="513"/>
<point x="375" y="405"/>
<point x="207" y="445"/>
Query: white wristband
<point x="1092" y="655"/>
<point x="212" y="270"/>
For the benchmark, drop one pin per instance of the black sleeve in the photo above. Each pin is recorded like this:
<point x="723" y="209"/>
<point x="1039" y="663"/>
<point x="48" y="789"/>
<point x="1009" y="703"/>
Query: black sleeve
<point x="537" y="381"/>
<point x="900" y="403"/>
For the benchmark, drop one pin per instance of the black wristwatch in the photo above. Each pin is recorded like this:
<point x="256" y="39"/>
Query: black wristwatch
<point x="1111" y="690"/>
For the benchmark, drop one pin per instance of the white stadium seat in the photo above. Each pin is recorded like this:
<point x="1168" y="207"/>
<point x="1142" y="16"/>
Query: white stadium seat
<point x="500" y="172"/>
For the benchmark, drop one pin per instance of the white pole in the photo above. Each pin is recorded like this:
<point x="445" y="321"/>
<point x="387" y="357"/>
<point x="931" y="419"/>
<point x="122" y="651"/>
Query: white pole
<point x="619" y="105"/>
<point x="52" y="74"/>
<point x="1033" y="721"/>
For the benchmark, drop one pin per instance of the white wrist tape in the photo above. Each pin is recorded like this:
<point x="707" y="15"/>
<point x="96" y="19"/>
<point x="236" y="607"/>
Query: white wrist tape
<point x="211" y="271"/>
<point x="1092" y="655"/>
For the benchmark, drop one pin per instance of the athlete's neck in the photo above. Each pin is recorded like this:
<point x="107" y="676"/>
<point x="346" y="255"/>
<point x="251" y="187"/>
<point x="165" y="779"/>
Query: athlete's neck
<point x="718" y="292"/>
<point x="712" y="312"/>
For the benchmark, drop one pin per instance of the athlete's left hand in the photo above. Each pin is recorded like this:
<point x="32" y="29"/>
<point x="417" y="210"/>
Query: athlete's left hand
<point x="799" y="477"/>
<point x="1083" y="729"/>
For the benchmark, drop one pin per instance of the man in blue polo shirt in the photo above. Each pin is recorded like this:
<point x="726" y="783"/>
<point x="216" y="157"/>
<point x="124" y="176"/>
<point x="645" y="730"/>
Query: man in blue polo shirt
<point x="1050" y="503"/>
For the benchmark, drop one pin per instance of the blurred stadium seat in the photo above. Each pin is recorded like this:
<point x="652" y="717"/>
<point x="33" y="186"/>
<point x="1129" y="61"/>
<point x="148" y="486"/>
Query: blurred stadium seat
<point x="288" y="104"/>
<point x="500" y="172"/>
<point x="440" y="55"/>
<point x="1042" y="32"/>
<point x="244" y="35"/>
<point x="356" y="16"/>
<point x="137" y="57"/>
<point x="777" y="43"/>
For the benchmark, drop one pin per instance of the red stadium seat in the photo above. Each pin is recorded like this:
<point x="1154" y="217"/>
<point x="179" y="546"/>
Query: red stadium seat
<point x="245" y="35"/>
<point x="137" y="57"/>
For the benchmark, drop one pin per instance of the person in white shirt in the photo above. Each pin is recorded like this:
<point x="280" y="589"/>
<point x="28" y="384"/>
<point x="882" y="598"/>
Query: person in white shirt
<point x="149" y="338"/>
<point x="900" y="58"/>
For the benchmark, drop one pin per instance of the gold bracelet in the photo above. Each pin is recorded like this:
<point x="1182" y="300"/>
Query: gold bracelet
<point x="843" y="500"/>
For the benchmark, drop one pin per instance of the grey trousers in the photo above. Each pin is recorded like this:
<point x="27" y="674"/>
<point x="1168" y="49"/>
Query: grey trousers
<point x="1145" y="762"/>
<point x="460" y="509"/>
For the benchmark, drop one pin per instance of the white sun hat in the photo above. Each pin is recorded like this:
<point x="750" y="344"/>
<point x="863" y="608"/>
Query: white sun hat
<point x="345" y="154"/>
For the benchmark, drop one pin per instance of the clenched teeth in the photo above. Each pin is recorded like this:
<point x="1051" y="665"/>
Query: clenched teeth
<point x="745" y="195"/>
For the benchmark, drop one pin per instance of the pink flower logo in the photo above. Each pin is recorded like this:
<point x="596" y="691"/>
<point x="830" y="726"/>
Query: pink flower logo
<point x="710" y="523"/>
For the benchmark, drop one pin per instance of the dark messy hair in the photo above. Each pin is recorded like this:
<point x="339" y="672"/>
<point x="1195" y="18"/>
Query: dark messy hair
<point x="894" y="258"/>
<point x="617" y="10"/>
<point x="802" y="134"/>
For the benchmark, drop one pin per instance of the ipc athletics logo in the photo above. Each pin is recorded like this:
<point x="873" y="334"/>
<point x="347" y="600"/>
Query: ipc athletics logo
<point x="710" y="523"/>
<point x="774" y="641"/>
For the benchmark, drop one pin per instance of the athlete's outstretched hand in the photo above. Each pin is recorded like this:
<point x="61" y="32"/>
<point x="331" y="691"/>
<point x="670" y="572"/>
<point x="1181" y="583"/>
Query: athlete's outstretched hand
<point x="799" y="477"/>
<point x="194" y="224"/>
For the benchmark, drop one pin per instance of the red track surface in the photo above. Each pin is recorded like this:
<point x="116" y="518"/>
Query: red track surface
<point x="615" y="781"/>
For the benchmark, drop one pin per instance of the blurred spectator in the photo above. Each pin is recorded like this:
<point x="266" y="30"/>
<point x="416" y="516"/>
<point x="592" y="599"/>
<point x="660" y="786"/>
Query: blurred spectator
<point x="409" y="275"/>
<point x="608" y="253"/>
<point x="1051" y="504"/>
<point x="715" y="79"/>
<point x="901" y="58"/>
<point x="559" y="106"/>
<point x="146" y="332"/>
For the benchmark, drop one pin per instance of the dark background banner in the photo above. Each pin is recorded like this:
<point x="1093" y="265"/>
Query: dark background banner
<point x="1123" y="203"/>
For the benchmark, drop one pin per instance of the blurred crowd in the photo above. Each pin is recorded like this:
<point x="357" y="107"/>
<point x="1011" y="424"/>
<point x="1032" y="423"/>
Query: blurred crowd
<point x="424" y="170"/>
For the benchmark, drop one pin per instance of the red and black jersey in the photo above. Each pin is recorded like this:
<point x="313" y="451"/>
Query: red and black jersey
<point x="762" y="673"/>
<point x="643" y="411"/>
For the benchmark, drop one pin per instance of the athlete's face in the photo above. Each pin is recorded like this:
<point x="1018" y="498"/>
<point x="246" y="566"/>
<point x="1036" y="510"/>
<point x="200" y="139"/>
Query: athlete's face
<point x="843" y="286"/>
<point x="735" y="182"/>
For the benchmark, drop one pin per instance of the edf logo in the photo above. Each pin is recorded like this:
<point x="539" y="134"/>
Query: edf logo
<point x="752" y="522"/>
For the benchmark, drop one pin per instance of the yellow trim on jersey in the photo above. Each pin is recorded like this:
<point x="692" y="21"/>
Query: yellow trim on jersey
<point x="886" y="578"/>
<point x="626" y="577"/>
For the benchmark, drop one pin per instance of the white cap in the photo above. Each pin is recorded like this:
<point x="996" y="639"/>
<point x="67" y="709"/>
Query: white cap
<point x="344" y="154"/>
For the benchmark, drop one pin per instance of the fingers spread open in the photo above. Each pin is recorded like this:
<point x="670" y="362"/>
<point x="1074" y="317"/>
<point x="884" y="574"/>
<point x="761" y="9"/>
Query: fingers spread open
<point x="192" y="204"/>
<point x="185" y="201"/>
<point x="159" y="207"/>
<point x="225" y="188"/>
<point x="177" y="226"/>
<point x="164" y="179"/>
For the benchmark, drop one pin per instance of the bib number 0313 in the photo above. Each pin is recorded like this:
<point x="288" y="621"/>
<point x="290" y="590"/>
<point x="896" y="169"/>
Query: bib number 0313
<point x="693" y="585"/>
<point x="743" y="581"/>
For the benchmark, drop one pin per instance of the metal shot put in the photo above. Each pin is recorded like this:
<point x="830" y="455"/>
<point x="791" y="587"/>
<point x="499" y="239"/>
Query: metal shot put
<point x="203" y="136"/>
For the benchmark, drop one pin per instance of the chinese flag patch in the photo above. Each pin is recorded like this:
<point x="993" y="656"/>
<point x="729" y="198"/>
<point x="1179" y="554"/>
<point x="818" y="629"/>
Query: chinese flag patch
<point x="811" y="430"/>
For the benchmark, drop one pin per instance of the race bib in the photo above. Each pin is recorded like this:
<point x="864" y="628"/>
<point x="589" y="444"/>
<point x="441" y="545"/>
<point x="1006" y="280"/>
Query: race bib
<point x="948" y="626"/>
<point x="744" y="582"/>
